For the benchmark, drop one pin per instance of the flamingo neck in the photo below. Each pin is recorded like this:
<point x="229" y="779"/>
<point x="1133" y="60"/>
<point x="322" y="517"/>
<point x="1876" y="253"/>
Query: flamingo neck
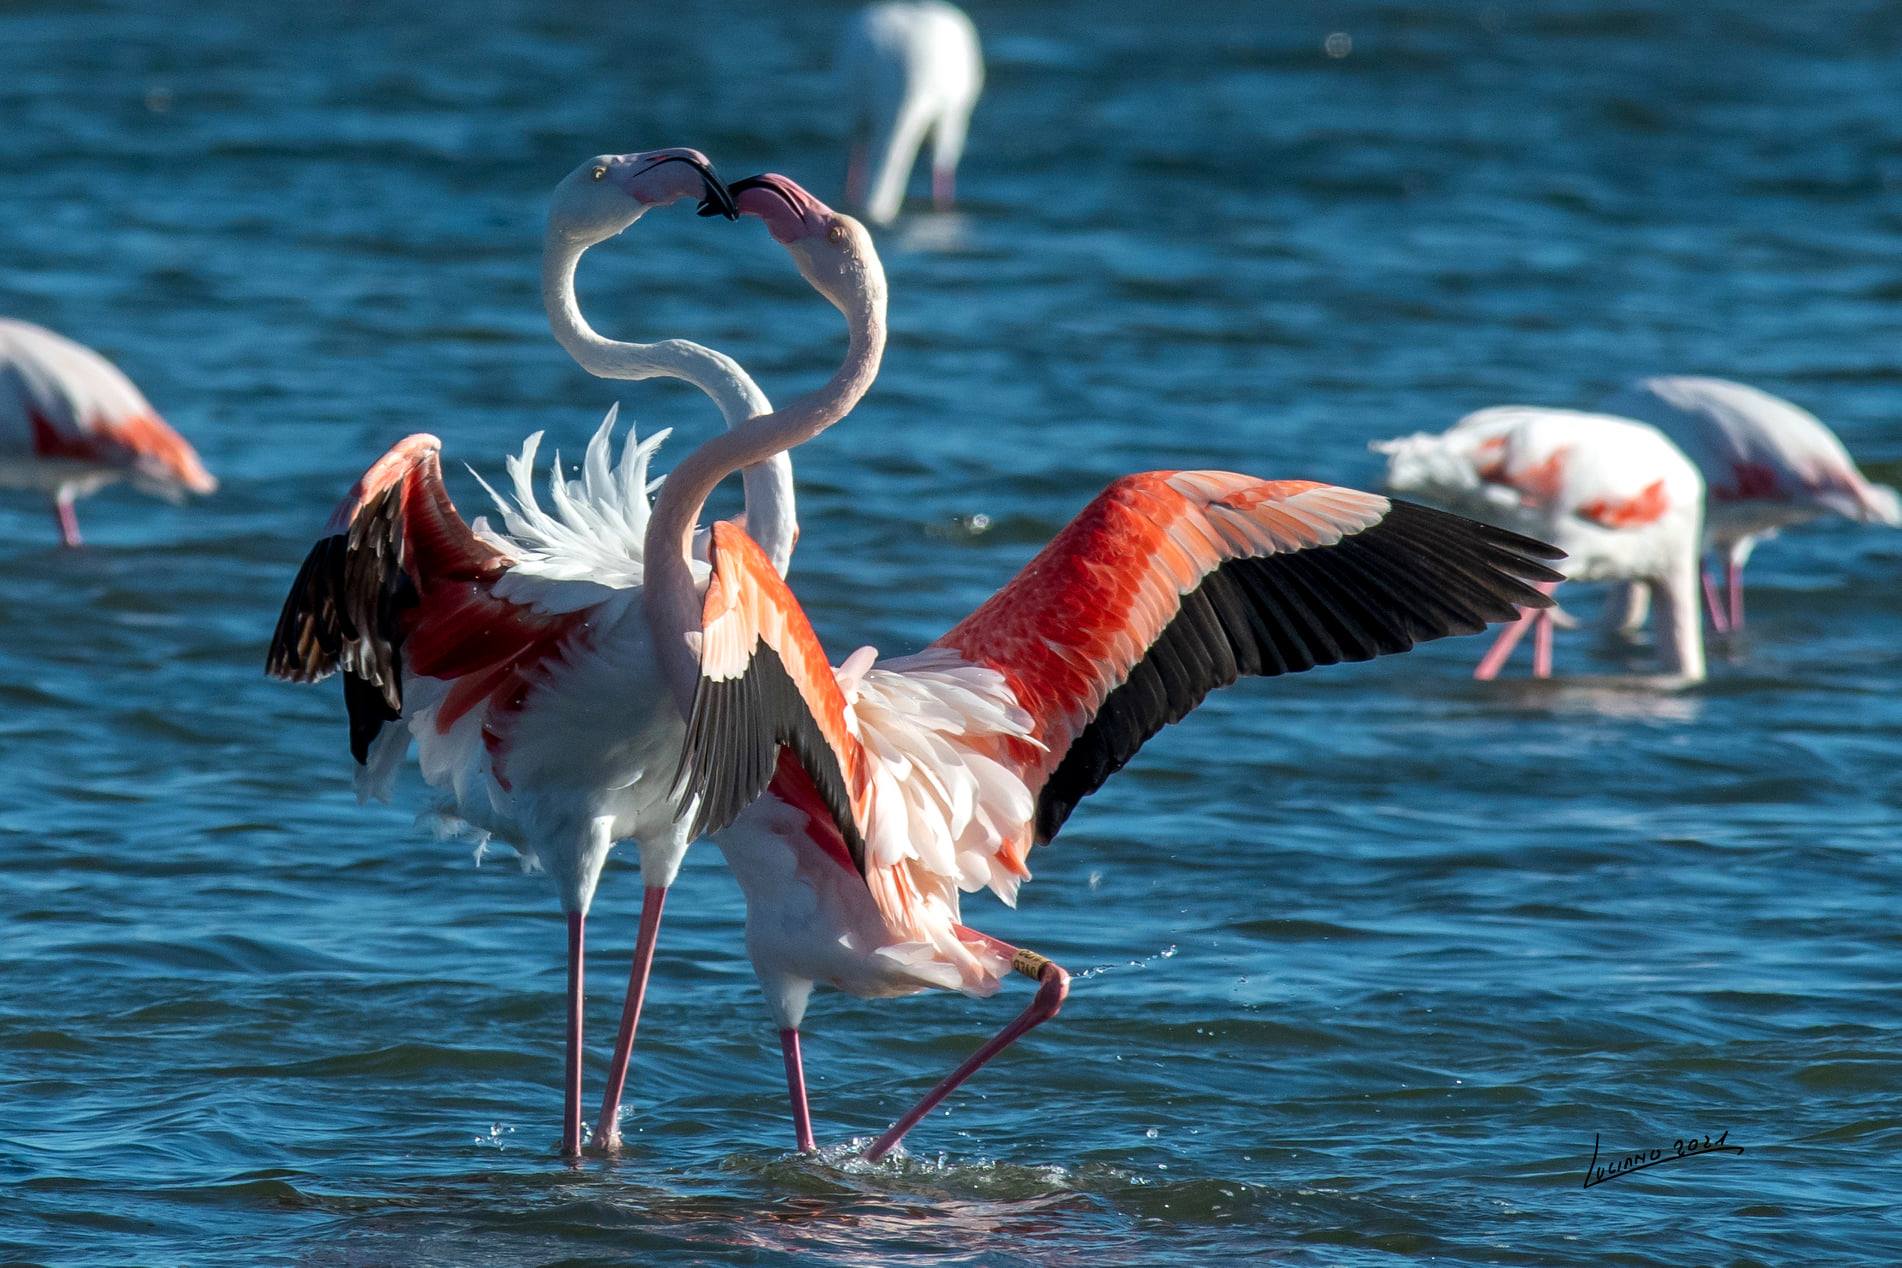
<point x="671" y="595"/>
<point x="770" y="515"/>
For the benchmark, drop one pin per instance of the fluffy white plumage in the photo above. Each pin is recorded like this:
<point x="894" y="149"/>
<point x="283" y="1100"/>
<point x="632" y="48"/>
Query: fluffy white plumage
<point x="590" y="752"/>
<point x="938" y="814"/>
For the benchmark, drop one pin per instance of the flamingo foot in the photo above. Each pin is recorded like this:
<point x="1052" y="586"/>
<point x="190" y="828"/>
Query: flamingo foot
<point x="68" y="521"/>
<point x="796" y="1089"/>
<point x="944" y="188"/>
<point x="1054" y="988"/>
<point x="571" y="1099"/>
<point x="1719" y="620"/>
<point x="607" y="1129"/>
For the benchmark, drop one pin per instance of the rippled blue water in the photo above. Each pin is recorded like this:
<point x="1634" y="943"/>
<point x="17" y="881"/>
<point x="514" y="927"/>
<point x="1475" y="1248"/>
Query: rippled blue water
<point x="1373" y="956"/>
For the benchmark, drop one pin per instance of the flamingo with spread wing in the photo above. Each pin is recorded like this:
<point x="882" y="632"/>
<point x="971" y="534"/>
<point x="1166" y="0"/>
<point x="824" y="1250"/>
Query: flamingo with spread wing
<point x="891" y="788"/>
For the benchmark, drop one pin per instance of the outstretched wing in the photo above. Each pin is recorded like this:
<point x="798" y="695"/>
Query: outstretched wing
<point x="1173" y="583"/>
<point x="398" y="579"/>
<point x="1168" y="585"/>
<point x="764" y="684"/>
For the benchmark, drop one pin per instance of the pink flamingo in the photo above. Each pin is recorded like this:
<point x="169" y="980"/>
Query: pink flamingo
<point x="1768" y="464"/>
<point x="520" y="662"/>
<point x="1615" y="495"/>
<point x="72" y="423"/>
<point x="892" y="787"/>
<point x="908" y="68"/>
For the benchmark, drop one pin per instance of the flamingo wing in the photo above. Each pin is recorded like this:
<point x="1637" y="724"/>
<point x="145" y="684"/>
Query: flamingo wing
<point x="1173" y="583"/>
<point x="1168" y="585"/>
<point x="399" y="580"/>
<point x="764" y="684"/>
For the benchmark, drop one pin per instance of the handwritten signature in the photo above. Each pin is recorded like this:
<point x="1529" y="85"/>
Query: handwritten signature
<point x="1641" y="1159"/>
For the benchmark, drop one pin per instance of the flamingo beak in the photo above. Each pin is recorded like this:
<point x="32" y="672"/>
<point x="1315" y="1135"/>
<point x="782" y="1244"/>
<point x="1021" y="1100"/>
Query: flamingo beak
<point x="718" y="200"/>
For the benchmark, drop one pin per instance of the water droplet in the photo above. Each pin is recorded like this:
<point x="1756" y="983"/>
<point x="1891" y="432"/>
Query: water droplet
<point x="1338" y="44"/>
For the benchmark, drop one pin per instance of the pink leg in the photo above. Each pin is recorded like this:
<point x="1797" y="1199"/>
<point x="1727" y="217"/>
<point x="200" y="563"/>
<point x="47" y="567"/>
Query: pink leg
<point x="1053" y="989"/>
<point x="1501" y="651"/>
<point x="1542" y="645"/>
<point x="796" y="1089"/>
<point x="1733" y="577"/>
<point x="68" y="521"/>
<point x="571" y="1101"/>
<point x="1712" y="604"/>
<point x="944" y="187"/>
<point x="1496" y="656"/>
<point x="855" y="176"/>
<point x="607" y="1131"/>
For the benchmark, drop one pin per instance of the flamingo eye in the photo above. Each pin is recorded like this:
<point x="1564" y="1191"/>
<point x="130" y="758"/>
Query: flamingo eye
<point x="836" y="234"/>
<point x="600" y="172"/>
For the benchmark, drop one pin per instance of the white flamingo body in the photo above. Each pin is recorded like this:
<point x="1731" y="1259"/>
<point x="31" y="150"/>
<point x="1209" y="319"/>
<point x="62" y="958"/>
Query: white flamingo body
<point x="520" y="662"/>
<point x="909" y="69"/>
<point x="71" y="423"/>
<point x="585" y="757"/>
<point x="1616" y="495"/>
<point x="1768" y="463"/>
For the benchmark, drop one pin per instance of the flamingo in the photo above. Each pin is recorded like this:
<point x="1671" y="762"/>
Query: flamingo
<point x="1615" y="495"/>
<point x="907" y="68"/>
<point x="71" y="423"/>
<point x="519" y="661"/>
<point x="1768" y="464"/>
<point x="889" y="788"/>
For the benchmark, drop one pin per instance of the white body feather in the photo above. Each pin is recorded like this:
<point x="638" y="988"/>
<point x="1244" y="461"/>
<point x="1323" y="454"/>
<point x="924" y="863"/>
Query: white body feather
<point x="590" y="755"/>
<point x="936" y="820"/>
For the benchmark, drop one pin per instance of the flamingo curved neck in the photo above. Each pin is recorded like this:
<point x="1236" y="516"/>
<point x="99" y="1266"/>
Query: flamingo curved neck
<point x="671" y="596"/>
<point x="770" y="514"/>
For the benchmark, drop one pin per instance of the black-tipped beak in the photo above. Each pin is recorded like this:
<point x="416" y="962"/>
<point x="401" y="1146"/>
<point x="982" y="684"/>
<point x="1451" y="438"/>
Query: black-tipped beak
<point x="719" y="199"/>
<point x="763" y="181"/>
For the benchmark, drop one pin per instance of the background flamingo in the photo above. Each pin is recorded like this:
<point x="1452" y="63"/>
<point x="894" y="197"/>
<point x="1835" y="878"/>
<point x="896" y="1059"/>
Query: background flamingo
<point x="1767" y="464"/>
<point x="72" y="423"/>
<point x="907" y="68"/>
<point x="520" y="661"/>
<point x="893" y="787"/>
<point x="1615" y="495"/>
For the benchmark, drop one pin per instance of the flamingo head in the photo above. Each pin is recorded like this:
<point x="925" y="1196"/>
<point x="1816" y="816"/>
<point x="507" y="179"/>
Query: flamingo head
<point x="609" y="192"/>
<point x="833" y="251"/>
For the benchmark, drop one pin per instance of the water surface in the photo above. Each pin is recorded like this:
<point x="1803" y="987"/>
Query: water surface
<point x="1368" y="959"/>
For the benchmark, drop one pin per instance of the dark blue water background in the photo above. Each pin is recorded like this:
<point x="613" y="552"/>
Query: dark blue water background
<point x="1367" y="959"/>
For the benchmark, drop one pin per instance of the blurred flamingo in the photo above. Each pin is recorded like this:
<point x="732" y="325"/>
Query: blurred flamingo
<point x="72" y="423"/>
<point x="892" y="787"/>
<point x="1768" y="464"/>
<point x="519" y="661"/>
<point x="907" y="68"/>
<point x="1615" y="495"/>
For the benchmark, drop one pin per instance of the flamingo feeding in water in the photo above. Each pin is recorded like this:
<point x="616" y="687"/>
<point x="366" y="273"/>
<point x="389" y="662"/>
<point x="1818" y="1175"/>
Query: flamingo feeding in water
<point x="72" y="423"/>
<point x="1767" y="463"/>
<point x="520" y="662"/>
<point x="892" y="787"/>
<point x="907" y="68"/>
<point x="1615" y="495"/>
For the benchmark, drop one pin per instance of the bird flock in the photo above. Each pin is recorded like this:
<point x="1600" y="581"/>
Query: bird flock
<point x="597" y="667"/>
